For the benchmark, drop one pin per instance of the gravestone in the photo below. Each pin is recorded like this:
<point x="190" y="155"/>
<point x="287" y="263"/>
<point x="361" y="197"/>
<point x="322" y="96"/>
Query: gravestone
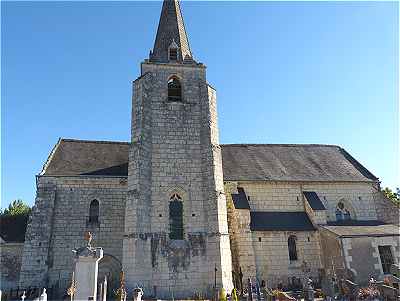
<point x="86" y="270"/>
<point x="137" y="294"/>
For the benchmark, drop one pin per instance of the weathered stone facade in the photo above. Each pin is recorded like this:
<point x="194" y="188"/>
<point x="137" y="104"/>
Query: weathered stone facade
<point x="354" y="254"/>
<point x="59" y="221"/>
<point x="175" y="150"/>
<point x="10" y="265"/>
<point x="264" y="254"/>
<point x="287" y="206"/>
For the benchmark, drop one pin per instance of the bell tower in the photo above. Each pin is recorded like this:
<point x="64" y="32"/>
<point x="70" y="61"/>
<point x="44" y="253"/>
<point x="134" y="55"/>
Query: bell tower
<point x="176" y="238"/>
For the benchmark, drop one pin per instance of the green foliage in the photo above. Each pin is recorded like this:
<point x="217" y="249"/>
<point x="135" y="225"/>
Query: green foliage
<point x="222" y="295"/>
<point x="391" y="195"/>
<point x="17" y="207"/>
<point x="234" y="295"/>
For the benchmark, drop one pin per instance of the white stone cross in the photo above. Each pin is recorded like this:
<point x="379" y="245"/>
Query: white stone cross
<point x="43" y="296"/>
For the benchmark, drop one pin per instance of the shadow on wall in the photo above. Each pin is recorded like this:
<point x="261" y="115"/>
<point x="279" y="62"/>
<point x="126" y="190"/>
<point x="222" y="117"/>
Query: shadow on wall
<point x="386" y="210"/>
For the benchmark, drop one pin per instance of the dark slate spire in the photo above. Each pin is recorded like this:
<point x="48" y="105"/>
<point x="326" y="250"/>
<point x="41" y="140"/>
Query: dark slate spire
<point x="171" y="34"/>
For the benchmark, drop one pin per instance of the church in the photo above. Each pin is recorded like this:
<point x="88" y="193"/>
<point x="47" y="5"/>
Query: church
<point x="181" y="213"/>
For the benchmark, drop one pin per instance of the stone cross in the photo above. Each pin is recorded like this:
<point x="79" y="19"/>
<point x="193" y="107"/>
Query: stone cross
<point x="88" y="238"/>
<point x="43" y="296"/>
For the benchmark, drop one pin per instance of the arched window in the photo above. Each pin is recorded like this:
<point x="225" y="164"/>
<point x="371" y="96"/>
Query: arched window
<point x="174" y="89"/>
<point x="339" y="215"/>
<point x="342" y="213"/>
<point x="175" y="217"/>
<point x="292" y="248"/>
<point x="94" y="212"/>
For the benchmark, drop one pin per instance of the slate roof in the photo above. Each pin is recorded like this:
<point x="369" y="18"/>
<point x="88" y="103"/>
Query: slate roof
<point x="354" y="231"/>
<point x="170" y="28"/>
<point x="280" y="221"/>
<point x="313" y="200"/>
<point x="240" y="200"/>
<point x="275" y="162"/>
<point x="291" y="162"/>
<point x="82" y="157"/>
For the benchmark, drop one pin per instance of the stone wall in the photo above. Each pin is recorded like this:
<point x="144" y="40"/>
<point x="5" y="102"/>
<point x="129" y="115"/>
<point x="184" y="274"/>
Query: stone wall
<point x="287" y="196"/>
<point x="265" y="254"/>
<point x="362" y="256"/>
<point x="317" y="217"/>
<point x="387" y="211"/>
<point x="10" y="265"/>
<point x="244" y="249"/>
<point x="35" y="258"/>
<point x="357" y="196"/>
<point x="243" y="261"/>
<point x="393" y="242"/>
<point x="272" y="255"/>
<point x="333" y="261"/>
<point x="175" y="150"/>
<point x="356" y="258"/>
<point x="67" y="211"/>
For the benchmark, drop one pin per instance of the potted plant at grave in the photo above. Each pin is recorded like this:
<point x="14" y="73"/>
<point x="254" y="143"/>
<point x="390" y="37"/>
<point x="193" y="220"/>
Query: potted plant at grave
<point x="222" y="295"/>
<point x="234" y="295"/>
<point x="370" y="292"/>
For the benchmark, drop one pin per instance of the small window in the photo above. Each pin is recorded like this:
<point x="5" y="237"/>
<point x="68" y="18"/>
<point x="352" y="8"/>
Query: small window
<point x="94" y="212"/>
<point x="173" y="54"/>
<point x="176" y="217"/>
<point x="259" y="239"/>
<point x="292" y="248"/>
<point x="385" y="253"/>
<point x="174" y="89"/>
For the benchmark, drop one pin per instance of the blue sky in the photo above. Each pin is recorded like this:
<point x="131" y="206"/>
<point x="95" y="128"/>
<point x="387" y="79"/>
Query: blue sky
<point x="285" y="72"/>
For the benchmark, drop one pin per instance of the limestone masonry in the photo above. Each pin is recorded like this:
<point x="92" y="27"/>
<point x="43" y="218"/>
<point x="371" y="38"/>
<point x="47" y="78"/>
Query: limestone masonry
<point x="181" y="214"/>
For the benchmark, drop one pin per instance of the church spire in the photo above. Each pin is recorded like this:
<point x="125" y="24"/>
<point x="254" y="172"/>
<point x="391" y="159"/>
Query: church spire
<point x="171" y="42"/>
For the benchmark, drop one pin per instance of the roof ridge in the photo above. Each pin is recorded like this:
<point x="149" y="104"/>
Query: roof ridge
<point x="280" y="144"/>
<point x="50" y="157"/>
<point x="94" y="141"/>
<point x="361" y="168"/>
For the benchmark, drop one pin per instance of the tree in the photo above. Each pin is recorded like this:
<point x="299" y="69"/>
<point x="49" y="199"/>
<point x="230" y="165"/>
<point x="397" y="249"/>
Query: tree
<point x="391" y="195"/>
<point x="17" y="207"/>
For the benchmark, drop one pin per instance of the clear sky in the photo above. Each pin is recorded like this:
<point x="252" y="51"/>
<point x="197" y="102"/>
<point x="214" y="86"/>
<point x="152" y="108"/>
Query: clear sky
<point x="285" y="72"/>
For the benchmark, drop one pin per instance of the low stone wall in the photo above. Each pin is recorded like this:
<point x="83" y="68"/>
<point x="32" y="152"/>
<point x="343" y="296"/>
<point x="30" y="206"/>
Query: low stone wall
<point x="11" y="256"/>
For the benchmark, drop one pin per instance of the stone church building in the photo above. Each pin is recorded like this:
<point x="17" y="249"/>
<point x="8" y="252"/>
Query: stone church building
<point x="181" y="213"/>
